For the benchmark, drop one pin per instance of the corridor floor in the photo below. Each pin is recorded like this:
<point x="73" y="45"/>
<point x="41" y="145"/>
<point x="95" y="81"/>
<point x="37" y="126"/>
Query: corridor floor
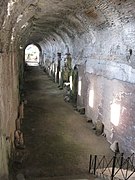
<point x="58" y="139"/>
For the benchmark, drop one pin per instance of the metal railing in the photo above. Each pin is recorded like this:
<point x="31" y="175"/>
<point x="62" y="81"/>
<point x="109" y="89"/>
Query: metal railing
<point x="116" y="167"/>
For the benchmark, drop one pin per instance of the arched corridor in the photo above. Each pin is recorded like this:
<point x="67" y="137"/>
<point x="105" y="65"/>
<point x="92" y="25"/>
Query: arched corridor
<point x="86" y="52"/>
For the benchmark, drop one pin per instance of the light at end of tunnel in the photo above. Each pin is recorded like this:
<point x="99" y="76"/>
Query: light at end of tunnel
<point x="79" y="87"/>
<point x="71" y="84"/>
<point x="115" y="113"/>
<point x="91" y="98"/>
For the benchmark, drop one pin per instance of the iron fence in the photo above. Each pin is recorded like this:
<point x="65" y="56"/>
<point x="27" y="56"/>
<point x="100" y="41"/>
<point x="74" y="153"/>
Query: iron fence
<point x="116" y="167"/>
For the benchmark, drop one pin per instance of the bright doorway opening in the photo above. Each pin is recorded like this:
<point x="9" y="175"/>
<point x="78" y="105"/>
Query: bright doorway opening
<point x="32" y="55"/>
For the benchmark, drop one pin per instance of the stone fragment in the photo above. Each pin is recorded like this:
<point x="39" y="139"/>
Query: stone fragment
<point x="115" y="146"/>
<point x="99" y="128"/>
<point x="66" y="99"/>
<point x="18" y="139"/>
<point x="81" y="110"/>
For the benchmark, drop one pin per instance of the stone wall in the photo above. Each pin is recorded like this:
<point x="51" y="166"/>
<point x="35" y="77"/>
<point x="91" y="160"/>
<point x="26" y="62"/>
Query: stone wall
<point x="8" y="108"/>
<point x="106" y="92"/>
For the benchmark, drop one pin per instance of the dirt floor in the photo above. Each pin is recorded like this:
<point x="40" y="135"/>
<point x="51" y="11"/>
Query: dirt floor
<point x="58" y="139"/>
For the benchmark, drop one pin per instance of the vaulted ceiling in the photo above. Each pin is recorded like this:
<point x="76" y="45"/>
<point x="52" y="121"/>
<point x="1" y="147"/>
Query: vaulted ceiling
<point x="30" y="21"/>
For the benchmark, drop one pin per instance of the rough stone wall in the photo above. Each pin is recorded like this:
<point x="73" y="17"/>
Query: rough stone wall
<point x="125" y="131"/>
<point x="9" y="81"/>
<point x="107" y="91"/>
<point x="8" y="108"/>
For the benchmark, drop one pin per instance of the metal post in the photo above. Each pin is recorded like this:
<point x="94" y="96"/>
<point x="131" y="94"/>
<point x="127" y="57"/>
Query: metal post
<point x="121" y="160"/>
<point x="113" y="167"/>
<point x="95" y="163"/>
<point x="90" y="163"/>
<point x="127" y="166"/>
<point x="132" y="160"/>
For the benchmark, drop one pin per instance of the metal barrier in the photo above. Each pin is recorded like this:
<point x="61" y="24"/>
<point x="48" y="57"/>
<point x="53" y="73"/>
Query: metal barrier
<point x="116" y="167"/>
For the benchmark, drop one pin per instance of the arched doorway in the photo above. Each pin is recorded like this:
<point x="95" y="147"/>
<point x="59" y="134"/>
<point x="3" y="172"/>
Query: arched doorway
<point x="32" y="55"/>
